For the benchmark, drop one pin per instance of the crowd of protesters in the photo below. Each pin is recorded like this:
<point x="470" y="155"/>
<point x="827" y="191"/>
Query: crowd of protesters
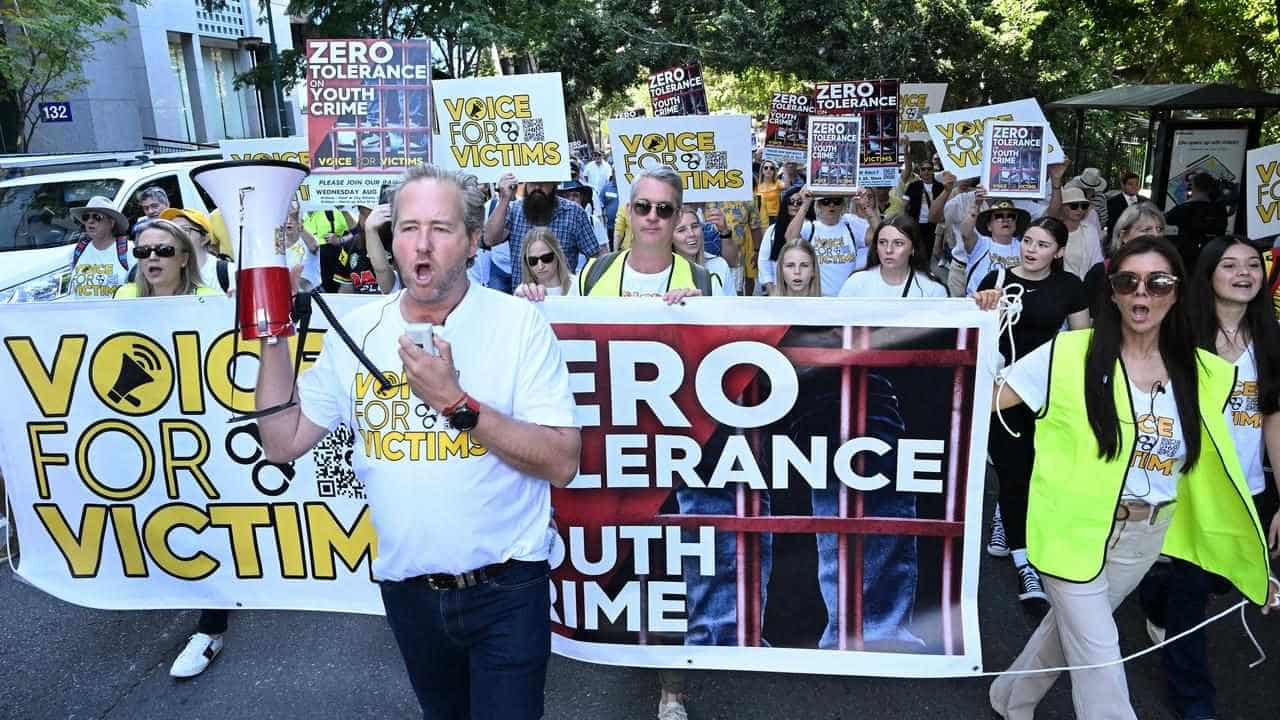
<point x="1122" y="327"/>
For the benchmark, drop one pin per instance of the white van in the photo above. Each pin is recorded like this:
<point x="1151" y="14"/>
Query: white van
<point x="37" y="232"/>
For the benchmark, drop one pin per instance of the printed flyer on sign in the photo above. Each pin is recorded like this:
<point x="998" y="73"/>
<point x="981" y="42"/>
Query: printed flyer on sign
<point x="1218" y="151"/>
<point x="1262" y="191"/>
<point x="958" y="134"/>
<point x="319" y="191"/>
<point x="1014" y="164"/>
<point x="798" y="494"/>
<point x="876" y="102"/>
<point x="786" y="133"/>
<point x="915" y="100"/>
<point x="711" y="153"/>
<point x="368" y="104"/>
<point x="678" y="90"/>
<point x="511" y="123"/>
<point x="834" y="147"/>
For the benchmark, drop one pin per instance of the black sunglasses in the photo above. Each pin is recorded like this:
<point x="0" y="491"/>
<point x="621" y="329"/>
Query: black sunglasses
<point x="1158" y="284"/>
<point x="1004" y="216"/>
<point x="1077" y="205"/>
<point x="545" y="259"/>
<point x="94" y="217"/>
<point x="664" y="209"/>
<point x="830" y="201"/>
<point x="142" y="252"/>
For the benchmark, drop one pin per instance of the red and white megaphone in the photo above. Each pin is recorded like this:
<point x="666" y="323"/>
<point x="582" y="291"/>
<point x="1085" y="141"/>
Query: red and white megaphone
<point x="254" y="196"/>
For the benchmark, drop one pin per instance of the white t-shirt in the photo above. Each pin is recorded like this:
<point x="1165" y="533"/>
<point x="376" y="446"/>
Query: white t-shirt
<point x="1083" y="250"/>
<point x="299" y="254"/>
<point x="1245" y="420"/>
<point x="986" y="255"/>
<point x="440" y="502"/>
<point x="871" y="284"/>
<point x="1160" y="455"/>
<point x="98" y="273"/>
<point x="841" y="249"/>
<point x="719" y="268"/>
<point x="209" y="273"/>
<point x="638" y="284"/>
<point x="766" y="269"/>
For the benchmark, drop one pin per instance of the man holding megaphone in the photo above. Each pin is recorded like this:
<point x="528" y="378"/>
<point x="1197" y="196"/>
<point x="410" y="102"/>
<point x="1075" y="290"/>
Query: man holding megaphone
<point x="461" y="498"/>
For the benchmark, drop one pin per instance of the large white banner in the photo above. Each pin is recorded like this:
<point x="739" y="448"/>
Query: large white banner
<point x="510" y="123"/>
<point x="957" y="134"/>
<point x="706" y="441"/>
<point x="1262" y="191"/>
<point x="712" y="153"/>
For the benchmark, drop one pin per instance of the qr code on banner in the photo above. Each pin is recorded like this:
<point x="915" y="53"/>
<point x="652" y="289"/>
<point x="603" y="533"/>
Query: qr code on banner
<point x="533" y="131"/>
<point x="334" y="475"/>
<point x="718" y="160"/>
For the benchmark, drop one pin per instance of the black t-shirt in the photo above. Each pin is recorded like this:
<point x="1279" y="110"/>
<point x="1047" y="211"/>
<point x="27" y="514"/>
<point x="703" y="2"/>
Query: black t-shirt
<point x="1045" y="306"/>
<point x="1197" y="221"/>
<point x="354" y="269"/>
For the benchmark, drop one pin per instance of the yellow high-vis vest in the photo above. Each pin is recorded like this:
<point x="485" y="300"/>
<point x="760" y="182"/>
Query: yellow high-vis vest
<point x="1075" y="493"/>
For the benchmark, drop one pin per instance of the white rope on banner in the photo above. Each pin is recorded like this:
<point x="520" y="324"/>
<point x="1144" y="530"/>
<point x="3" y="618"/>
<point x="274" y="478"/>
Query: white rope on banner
<point x="1010" y="312"/>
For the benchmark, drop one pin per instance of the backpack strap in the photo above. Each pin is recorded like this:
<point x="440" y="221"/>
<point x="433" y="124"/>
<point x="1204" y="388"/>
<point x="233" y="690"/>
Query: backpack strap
<point x="224" y="275"/>
<point x="701" y="277"/>
<point x="122" y="251"/>
<point x="595" y="269"/>
<point x="80" y="247"/>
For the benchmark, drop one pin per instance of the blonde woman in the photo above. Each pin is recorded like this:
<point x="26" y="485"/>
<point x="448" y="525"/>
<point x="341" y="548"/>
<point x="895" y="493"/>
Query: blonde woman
<point x="544" y="262"/>
<point x="688" y="241"/>
<point x="798" y="271"/>
<point x="166" y="264"/>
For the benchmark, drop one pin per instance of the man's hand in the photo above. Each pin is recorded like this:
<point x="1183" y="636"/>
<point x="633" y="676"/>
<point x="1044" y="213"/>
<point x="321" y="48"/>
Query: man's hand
<point x="332" y="239"/>
<point x="1057" y="171"/>
<point x="676" y="297"/>
<point x="531" y="291"/>
<point x="1273" y="538"/>
<point x="715" y="216"/>
<point x="948" y="179"/>
<point x="431" y="377"/>
<point x="506" y="187"/>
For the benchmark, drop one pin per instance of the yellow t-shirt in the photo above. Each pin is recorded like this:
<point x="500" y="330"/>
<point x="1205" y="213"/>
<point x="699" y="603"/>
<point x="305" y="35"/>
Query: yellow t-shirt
<point x="129" y="291"/>
<point x="768" y="195"/>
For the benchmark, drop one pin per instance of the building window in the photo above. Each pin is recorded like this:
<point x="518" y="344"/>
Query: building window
<point x="184" y="91"/>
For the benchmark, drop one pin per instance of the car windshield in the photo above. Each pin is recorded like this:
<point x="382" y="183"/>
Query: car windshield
<point x="39" y="215"/>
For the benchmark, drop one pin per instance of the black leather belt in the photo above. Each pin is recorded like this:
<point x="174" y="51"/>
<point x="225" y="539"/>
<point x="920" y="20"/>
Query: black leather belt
<point x="479" y="576"/>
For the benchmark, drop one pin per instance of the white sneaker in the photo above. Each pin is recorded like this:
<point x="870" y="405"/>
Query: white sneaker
<point x="1155" y="632"/>
<point x="201" y="649"/>
<point x="673" y="710"/>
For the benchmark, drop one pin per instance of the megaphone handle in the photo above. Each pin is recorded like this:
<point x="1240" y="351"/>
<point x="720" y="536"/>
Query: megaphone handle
<point x="384" y="383"/>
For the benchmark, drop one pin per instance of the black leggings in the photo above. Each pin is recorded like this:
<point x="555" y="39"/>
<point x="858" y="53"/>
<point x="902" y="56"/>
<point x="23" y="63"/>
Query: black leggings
<point x="1013" y="458"/>
<point x="212" y="622"/>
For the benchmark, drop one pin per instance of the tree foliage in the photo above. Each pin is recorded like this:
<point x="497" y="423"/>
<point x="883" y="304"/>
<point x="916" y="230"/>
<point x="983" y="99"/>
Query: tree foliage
<point x="43" y="47"/>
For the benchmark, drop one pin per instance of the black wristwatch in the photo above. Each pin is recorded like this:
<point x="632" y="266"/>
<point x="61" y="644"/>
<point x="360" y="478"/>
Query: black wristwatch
<point x="463" y="414"/>
<point x="724" y="233"/>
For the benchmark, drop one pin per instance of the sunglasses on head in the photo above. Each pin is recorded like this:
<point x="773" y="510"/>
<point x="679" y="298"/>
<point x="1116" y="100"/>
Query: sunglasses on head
<point x="1077" y="205"/>
<point x="828" y="201"/>
<point x="142" y="252"/>
<point x="544" y="259"/>
<point x="1158" y="284"/>
<point x="664" y="209"/>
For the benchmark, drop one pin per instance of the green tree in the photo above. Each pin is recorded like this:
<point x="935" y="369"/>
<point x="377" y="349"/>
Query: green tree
<point x="43" y="47"/>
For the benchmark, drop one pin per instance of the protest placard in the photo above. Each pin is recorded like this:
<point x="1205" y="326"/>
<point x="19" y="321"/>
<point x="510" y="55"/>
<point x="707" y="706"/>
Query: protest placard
<point x="510" y="123"/>
<point x="368" y="104"/>
<point x="786" y="133"/>
<point x="833" y="154"/>
<point x="711" y="153"/>
<point x="320" y="191"/>
<point x="876" y="102"/>
<point x="629" y="113"/>
<point x="1262" y="191"/>
<point x="1014" y="164"/>
<point x="704" y="439"/>
<point x="958" y="134"/>
<point x="678" y="90"/>
<point x="915" y="100"/>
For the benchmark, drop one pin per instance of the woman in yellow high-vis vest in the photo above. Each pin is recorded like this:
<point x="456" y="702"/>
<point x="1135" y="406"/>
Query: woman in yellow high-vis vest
<point x="1146" y="464"/>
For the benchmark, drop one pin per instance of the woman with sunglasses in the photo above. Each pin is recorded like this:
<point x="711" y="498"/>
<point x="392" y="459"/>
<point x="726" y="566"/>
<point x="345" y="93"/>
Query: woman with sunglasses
<point x="797" y="271"/>
<point x="774" y="238"/>
<point x="689" y="242"/>
<point x="1145" y="463"/>
<point x="544" y="262"/>
<point x="898" y="265"/>
<point x="839" y="238"/>
<point x="991" y="236"/>
<point x="1232" y="318"/>
<point x="1051" y="299"/>
<point x="1084" y="250"/>
<point x="768" y="190"/>
<point x="166" y="268"/>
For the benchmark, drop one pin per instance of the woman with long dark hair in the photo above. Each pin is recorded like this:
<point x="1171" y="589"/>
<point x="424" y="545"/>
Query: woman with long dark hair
<point x="1233" y="319"/>
<point x="775" y="237"/>
<point x="1145" y="463"/>
<point x="1049" y="298"/>
<point x="897" y="265"/>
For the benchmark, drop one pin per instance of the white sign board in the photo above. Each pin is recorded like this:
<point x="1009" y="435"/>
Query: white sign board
<point x="958" y="134"/>
<point x="711" y="153"/>
<point x="1262" y="191"/>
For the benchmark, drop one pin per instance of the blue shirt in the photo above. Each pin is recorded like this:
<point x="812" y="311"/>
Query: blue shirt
<point x="569" y="223"/>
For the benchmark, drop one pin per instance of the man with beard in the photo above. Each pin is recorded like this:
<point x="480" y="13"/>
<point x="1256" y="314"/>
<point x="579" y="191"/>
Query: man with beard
<point x="541" y="207"/>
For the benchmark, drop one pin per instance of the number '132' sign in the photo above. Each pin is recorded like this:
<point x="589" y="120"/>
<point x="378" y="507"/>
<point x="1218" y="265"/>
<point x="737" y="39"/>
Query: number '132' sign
<point x="52" y="112"/>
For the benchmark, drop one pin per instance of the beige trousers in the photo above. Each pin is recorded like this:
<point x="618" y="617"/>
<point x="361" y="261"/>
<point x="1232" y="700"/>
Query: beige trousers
<point x="1080" y="630"/>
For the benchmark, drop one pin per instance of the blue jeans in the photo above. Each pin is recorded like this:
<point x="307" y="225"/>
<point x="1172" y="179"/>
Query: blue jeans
<point x="499" y="279"/>
<point x="476" y="653"/>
